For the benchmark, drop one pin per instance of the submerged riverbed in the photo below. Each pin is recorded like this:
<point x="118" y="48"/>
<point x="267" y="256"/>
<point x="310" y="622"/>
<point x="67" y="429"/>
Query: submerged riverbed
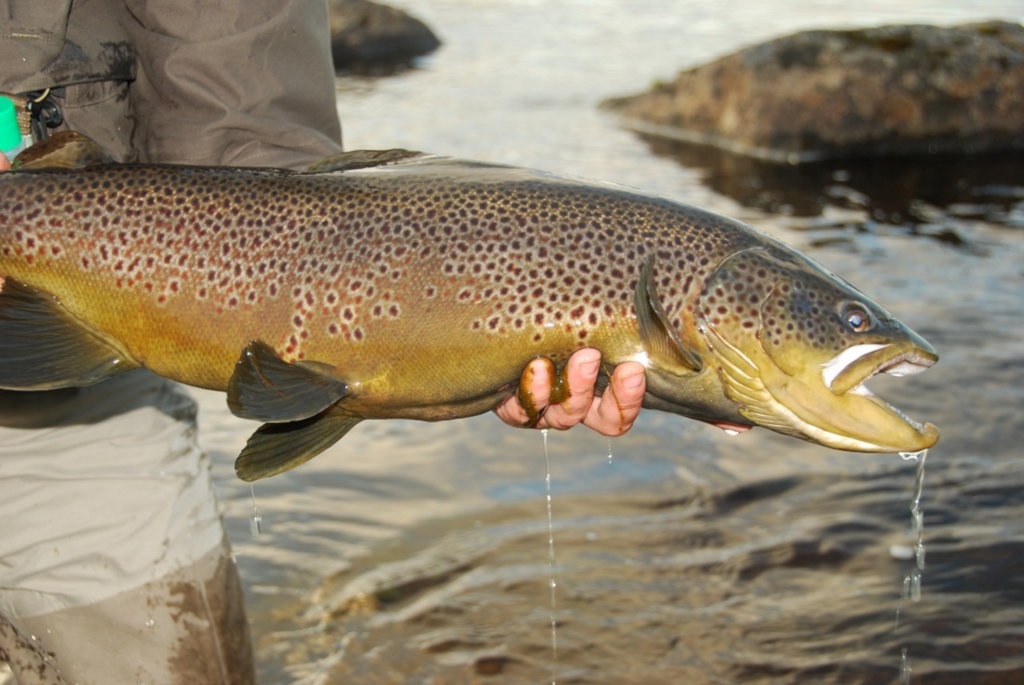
<point x="415" y="552"/>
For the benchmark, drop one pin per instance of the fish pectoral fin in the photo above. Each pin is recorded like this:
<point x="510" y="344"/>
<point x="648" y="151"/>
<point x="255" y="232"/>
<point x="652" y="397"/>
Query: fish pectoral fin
<point x="360" y="159"/>
<point x="660" y="340"/>
<point x="278" y="447"/>
<point x="43" y="346"/>
<point x="266" y="388"/>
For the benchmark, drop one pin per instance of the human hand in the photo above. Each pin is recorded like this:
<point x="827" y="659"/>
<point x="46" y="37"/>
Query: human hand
<point x="611" y="413"/>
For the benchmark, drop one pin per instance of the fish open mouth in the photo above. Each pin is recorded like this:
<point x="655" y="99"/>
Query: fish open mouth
<point x="848" y="373"/>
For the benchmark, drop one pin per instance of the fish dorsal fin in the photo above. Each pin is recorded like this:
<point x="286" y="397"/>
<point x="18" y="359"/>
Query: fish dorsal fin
<point x="63" y="150"/>
<point x="43" y="346"/>
<point x="277" y="447"/>
<point x="360" y="159"/>
<point x="264" y="387"/>
<point x="659" y="338"/>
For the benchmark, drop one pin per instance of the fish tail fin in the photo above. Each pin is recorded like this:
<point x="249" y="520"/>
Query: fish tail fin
<point x="43" y="346"/>
<point x="278" y="447"/>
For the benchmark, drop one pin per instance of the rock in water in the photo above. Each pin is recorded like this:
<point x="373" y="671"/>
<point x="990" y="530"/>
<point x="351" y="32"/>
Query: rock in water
<point x="367" y="36"/>
<point x="902" y="89"/>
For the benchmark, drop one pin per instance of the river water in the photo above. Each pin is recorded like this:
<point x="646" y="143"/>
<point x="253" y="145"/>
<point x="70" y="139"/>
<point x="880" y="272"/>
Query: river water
<point x="415" y="552"/>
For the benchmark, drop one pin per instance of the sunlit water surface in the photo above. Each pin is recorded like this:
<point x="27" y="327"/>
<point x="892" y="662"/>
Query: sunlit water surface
<point x="415" y="552"/>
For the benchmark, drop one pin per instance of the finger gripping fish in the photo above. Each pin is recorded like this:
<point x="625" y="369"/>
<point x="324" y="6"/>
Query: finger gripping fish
<point x="388" y="285"/>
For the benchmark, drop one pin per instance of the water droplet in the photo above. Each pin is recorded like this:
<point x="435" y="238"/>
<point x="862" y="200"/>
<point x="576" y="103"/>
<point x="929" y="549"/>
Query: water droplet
<point x="551" y="557"/>
<point x="916" y="521"/>
<point x="256" y="518"/>
<point x="904" y="667"/>
<point x="610" y="457"/>
<point x="915" y="586"/>
<point x="150" y="623"/>
<point x="730" y="431"/>
<point x="912" y="581"/>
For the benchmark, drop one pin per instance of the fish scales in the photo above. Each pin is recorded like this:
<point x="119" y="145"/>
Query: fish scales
<point x="310" y="261"/>
<point x="422" y="289"/>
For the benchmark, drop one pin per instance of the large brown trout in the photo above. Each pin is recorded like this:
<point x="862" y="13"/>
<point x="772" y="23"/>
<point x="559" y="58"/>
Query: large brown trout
<point x="420" y="288"/>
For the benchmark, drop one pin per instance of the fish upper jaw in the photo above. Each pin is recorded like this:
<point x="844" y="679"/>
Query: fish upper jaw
<point x="856" y="364"/>
<point x="832" y="408"/>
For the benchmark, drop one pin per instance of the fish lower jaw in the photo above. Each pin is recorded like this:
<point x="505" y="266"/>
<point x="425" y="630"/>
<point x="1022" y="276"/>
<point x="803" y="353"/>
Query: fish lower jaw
<point x="928" y="432"/>
<point x="874" y="426"/>
<point x="788" y="422"/>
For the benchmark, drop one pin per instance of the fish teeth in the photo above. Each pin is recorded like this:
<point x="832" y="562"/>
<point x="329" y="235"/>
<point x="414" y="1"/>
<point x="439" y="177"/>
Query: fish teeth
<point x="904" y="365"/>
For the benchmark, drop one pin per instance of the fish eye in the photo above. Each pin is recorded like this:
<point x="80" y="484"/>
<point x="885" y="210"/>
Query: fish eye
<point x="856" y="317"/>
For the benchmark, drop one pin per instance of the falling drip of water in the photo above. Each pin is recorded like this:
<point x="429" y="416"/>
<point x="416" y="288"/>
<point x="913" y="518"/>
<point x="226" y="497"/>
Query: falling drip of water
<point x="610" y="457"/>
<point x="912" y="581"/>
<point x="904" y="667"/>
<point x="551" y="557"/>
<point x="916" y="515"/>
<point x="256" y="519"/>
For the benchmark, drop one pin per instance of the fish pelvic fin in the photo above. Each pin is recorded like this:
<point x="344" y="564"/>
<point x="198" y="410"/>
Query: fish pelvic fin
<point x="266" y="388"/>
<point x="278" y="447"/>
<point x="43" y="346"/>
<point x="660" y="340"/>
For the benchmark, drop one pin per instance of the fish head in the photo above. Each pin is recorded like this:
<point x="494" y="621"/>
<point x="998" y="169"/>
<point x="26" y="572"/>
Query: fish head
<point x="794" y="345"/>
